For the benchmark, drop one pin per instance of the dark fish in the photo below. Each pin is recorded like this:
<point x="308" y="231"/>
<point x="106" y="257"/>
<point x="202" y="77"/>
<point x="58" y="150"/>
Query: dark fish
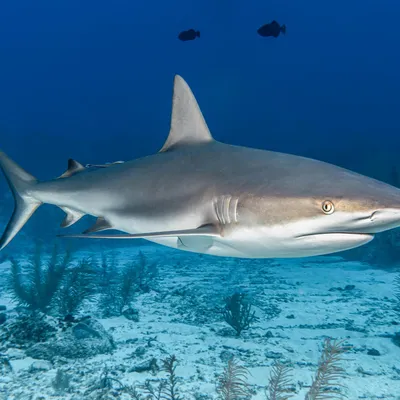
<point x="191" y="34"/>
<point x="272" y="29"/>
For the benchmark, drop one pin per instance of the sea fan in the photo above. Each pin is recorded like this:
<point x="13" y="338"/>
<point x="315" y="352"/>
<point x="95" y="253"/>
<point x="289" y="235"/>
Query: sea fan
<point x="78" y="286"/>
<point x="238" y="312"/>
<point x="171" y="388"/>
<point x="278" y="382"/>
<point x="232" y="383"/>
<point x="329" y="373"/>
<point x="36" y="285"/>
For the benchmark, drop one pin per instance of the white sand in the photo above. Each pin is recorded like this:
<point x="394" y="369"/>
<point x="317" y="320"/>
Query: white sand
<point x="182" y="320"/>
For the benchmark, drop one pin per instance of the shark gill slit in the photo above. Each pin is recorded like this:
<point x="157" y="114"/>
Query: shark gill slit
<point x="226" y="209"/>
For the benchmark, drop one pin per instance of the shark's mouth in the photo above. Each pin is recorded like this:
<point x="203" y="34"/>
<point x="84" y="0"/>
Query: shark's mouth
<point x="338" y="235"/>
<point x="330" y="242"/>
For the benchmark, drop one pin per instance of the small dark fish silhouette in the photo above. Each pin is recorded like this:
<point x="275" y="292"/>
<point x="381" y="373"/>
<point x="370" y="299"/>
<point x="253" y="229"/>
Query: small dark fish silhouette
<point x="191" y="34"/>
<point x="272" y="29"/>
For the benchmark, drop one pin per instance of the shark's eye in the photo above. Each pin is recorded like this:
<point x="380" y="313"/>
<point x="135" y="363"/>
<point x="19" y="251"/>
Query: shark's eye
<point x="328" y="207"/>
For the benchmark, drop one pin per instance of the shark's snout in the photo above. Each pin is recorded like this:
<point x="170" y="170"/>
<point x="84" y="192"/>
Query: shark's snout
<point x="384" y="219"/>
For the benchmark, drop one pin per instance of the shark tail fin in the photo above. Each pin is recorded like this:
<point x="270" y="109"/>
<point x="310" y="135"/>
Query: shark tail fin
<point x="21" y="184"/>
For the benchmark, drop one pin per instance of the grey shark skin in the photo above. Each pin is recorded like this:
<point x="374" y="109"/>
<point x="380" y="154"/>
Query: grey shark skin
<point x="204" y="196"/>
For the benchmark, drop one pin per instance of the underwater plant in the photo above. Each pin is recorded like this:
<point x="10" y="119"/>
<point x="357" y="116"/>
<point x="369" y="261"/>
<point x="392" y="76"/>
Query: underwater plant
<point x="128" y="286"/>
<point x="279" y="381"/>
<point x="396" y="337"/>
<point x="238" y="312"/>
<point x="119" y="286"/>
<point x="329" y="373"/>
<point x="107" y="282"/>
<point x="232" y="384"/>
<point x="134" y="393"/>
<point x="397" y="292"/>
<point x="171" y="391"/>
<point x="146" y="273"/>
<point x="154" y="393"/>
<point x="325" y="382"/>
<point x="61" y="382"/>
<point x="78" y="285"/>
<point x="106" y="388"/>
<point x="29" y="328"/>
<point x="36" y="285"/>
<point x="166" y="389"/>
<point x="119" y="289"/>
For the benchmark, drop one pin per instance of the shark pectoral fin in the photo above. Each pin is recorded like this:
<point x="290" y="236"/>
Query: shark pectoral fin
<point x="199" y="243"/>
<point x="100" y="225"/>
<point x="71" y="217"/>
<point x="73" y="168"/>
<point x="205" y="230"/>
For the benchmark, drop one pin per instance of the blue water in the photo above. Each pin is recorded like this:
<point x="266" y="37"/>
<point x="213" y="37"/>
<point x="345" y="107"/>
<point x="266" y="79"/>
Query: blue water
<point x="92" y="81"/>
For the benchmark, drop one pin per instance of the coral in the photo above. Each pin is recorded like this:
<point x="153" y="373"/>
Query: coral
<point x="167" y="389"/>
<point x="397" y="292"/>
<point x="127" y="286"/>
<point x="35" y="287"/>
<point x="107" y="283"/>
<point x="171" y="390"/>
<point x="279" y="381"/>
<point x="86" y="338"/>
<point x="78" y="286"/>
<point x="238" y="313"/>
<point x="329" y="373"/>
<point x="106" y="388"/>
<point x="232" y="384"/>
<point x="119" y="286"/>
<point x="29" y="328"/>
<point x="61" y="382"/>
<point x="146" y="273"/>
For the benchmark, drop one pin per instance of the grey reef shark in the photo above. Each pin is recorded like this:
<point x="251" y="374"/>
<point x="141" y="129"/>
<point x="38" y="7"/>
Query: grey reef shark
<point x="201" y="195"/>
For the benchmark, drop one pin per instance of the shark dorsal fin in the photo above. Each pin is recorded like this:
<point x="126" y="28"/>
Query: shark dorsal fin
<point x="73" y="167"/>
<point x="187" y="122"/>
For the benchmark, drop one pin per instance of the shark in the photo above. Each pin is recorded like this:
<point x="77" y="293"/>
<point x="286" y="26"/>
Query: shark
<point x="200" y="195"/>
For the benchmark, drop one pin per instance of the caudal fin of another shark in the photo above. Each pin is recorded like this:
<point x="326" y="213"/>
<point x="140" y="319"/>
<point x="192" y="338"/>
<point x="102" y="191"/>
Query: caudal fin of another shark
<point x="21" y="184"/>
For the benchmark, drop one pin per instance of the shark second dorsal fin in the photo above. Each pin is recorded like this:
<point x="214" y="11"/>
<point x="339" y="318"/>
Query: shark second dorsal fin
<point x="73" y="168"/>
<point x="187" y="122"/>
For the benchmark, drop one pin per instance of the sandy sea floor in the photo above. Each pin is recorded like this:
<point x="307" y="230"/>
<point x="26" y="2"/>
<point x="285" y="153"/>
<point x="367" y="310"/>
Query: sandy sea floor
<point x="299" y="303"/>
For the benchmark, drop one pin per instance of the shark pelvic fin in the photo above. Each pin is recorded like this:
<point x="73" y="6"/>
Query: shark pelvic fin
<point x="205" y="230"/>
<point x="187" y="122"/>
<point x="73" y="168"/>
<point x="100" y="225"/>
<point x="71" y="217"/>
<point x="22" y="185"/>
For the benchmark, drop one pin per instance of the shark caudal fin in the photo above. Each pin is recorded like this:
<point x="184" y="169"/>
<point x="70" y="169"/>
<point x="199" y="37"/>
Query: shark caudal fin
<point x="21" y="184"/>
